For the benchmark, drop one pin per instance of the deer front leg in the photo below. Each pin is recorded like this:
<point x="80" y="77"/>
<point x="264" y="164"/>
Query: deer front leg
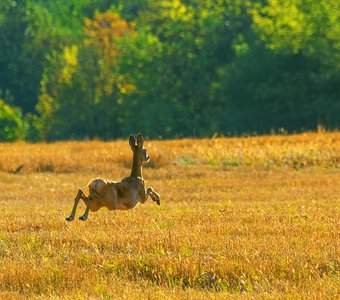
<point x="154" y="196"/>
<point x="80" y="195"/>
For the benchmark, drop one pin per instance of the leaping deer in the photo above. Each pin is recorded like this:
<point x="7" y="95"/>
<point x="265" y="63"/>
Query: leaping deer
<point x="122" y="195"/>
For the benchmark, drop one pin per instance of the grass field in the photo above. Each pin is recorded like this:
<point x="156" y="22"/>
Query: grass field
<point x="240" y="217"/>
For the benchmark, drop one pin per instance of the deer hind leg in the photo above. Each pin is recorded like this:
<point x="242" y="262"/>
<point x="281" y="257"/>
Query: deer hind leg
<point x="88" y="206"/>
<point x="80" y="195"/>
<point x="92" y="202"/>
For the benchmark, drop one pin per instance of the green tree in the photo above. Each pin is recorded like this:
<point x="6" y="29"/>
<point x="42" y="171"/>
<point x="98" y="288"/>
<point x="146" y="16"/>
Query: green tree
<point x="266" y="91"/>
<point x="305" y="37"/>
<point x="29" y="31"/>
<point x="19" y="76"/>
<point x="311" y="27"/>
<point x="82" y="88"/>
<point x="176" y="95"/>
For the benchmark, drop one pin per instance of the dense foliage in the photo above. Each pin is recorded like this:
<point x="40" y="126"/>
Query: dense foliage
<point x="170" y="68"/>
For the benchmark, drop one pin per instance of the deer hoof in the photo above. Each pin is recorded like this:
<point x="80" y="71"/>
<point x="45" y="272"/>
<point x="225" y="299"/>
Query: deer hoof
<point x="83" y="218"/>
<point x="69" y="218"/>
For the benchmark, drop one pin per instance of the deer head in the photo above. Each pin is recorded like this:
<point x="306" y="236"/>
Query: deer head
<point x="140" y="154"/>
<point x="137" y="147"/>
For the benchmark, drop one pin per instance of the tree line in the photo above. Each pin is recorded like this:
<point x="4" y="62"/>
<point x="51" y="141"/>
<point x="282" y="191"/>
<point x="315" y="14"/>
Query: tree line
<point x="73" y="69"/>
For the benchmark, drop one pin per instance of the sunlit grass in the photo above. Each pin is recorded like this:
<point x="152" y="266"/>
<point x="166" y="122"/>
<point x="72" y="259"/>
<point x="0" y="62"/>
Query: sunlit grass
<point x="266" y="225"/>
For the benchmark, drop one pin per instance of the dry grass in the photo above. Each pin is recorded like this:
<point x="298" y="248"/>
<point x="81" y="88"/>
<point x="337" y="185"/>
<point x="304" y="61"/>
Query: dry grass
<point x="250" y="217"/>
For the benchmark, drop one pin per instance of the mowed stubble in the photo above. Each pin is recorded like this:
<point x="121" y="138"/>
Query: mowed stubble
<point x="240" y="216"/>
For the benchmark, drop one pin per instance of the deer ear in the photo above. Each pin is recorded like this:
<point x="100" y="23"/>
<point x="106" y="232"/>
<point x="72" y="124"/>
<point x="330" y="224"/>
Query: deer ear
<point x="140" y="140"/>
<point x="132" y="142"/>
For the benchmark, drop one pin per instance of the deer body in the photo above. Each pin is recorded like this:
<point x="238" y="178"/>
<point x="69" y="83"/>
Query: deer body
<point x="116" y="195"/>
<point x="122" y="195"/>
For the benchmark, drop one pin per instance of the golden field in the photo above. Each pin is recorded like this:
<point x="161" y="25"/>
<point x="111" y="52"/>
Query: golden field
<point x="254" y="217"/>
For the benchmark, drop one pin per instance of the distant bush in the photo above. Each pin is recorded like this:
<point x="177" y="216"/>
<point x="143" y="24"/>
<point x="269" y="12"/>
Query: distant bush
<point x="10" y="122"/>
<point x="32" y="128"/>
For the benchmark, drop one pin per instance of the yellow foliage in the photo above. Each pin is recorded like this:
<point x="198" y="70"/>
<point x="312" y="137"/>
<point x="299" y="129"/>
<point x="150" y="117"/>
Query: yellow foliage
<point x="104" y="30"/>
<point x="126" y="87"/>
<point x="284" y="20"/>
<point x="46" y="104"/>
<point x="176" y="10"/>
<point x="70" y="56"/>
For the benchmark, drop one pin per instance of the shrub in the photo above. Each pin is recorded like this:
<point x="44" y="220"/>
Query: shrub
<point x="10" y="122"/>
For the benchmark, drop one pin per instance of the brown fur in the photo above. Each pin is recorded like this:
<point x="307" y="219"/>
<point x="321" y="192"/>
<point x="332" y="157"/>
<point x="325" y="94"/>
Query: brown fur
<point x="123" y="194"/>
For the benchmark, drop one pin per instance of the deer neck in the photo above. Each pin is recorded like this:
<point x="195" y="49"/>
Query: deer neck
<point x="136" y="170"/>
